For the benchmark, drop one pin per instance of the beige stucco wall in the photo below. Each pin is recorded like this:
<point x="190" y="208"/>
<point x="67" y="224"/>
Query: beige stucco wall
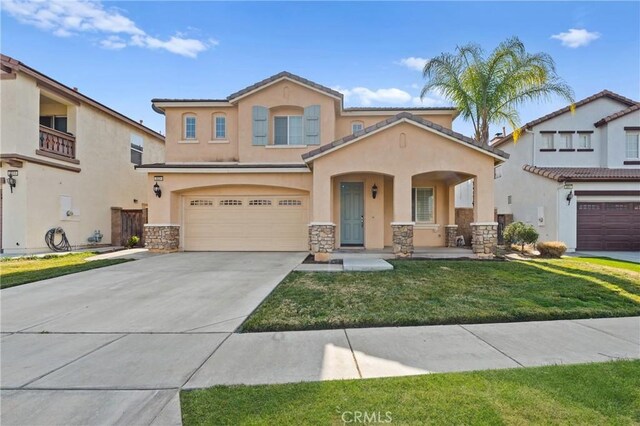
<point x="385" y="152"/>
<point x="343" y="123"/>
<point x="205" y="148"/>
<point x="107" y="177"/>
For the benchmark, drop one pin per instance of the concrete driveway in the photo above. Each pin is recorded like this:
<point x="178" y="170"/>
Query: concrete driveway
<point x="627" y="256"/>
<point x="114" y="345"/>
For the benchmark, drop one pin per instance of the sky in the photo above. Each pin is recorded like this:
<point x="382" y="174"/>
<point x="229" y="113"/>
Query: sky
<point x="125" y="53"/>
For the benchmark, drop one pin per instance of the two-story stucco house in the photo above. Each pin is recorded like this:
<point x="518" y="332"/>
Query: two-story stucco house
<point x="71" y="159"/>
<point x="282" y="165"/>
<point x="576" y="175"/>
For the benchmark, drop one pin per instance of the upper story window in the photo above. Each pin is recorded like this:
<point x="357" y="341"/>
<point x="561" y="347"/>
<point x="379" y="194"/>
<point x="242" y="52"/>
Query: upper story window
<point x="136" y="149"/>
<point x="57" y="122"/>
<point x="632" y="146"/>
<point x="189" y="127"/>
<point x="288" y="130"/>
<point x="566" y="141"/>
<point x="422" y="205"/>
<point x="497" y="172"/>
<point x="584" y="140"/>
<point x="356" y="126"/>
<point x="219" y="126"/>
<point x="547" y="140"/>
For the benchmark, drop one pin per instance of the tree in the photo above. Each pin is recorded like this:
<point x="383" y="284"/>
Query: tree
<point x="520" y="233"/>
<point x="488" y="90"/>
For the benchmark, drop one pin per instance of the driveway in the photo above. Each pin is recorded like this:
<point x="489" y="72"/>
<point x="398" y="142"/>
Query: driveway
<point x="114" y="345"/>
<point x="627" y="256"/>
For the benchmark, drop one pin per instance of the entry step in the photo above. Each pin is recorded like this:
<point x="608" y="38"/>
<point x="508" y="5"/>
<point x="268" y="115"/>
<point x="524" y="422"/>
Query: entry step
<point x="364" y="264"/>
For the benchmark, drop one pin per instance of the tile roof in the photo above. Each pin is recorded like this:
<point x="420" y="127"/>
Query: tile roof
<point x="575" y="174"/>
<point x="187" y="100"/>
<point x="396" y="118"/>
<point x="399" y="108"/>
<point x="220" y="166"/>
<point x="605" y="93"/>
<point x="285" y="74"/>
<point x="617" y="115"/>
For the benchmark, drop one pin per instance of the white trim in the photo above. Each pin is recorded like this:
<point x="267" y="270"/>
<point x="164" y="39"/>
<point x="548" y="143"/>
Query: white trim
<point x="219" y="141"/>
<point x="161" y="224"/>
<point x="189" y="141"/>
<point x="404" y="120"/>
<point x="322" y="223"/>
<point x="388" y="112"/>
<point x="484" y="223"/>
<point x="451" y="226"/>
<point x="402" y="223"/>
<point x="264" y="86"/>
<point x="225" y="170"/>
<point x="179" y="104"/>
<point x="427" y="226"/>
<point x="281" y="146"/>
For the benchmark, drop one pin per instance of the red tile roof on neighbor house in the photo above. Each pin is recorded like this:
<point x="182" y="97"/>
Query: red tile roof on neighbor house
<point x="577" y="174"/>
<point x="617" y="115"/>
<point x="604" y="94"/>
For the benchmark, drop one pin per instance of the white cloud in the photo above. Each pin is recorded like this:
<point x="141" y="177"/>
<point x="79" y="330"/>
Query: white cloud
<point x="413" y="63"/>
<point x="366" y="97"/>
<point x="65" y="18"/>
<point x="576" y="37"/>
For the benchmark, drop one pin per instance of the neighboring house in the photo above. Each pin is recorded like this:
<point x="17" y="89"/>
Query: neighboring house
<point x="73" y="158"/>
<point x="282" y="165"/>
<point x="576" y="176"/>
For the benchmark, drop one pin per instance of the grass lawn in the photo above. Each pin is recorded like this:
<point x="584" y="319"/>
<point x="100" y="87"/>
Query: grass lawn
<point x="451" y="292"/>
<point x="25" y="270"/>
<point x="589" y="394"/>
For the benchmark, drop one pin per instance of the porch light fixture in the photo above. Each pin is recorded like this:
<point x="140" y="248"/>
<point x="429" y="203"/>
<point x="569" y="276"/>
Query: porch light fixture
<point x="569" y="197"/>
<point x="157" y="190"/>
<point x="11" y="180"/>
<point x="374" y="191"/>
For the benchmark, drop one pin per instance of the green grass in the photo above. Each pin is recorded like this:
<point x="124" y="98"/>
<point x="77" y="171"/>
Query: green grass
<point x="25" y="270"/>
<point x="606" y="261"/>
<point x="450" y="292"/>
<point x="589" y="394"/>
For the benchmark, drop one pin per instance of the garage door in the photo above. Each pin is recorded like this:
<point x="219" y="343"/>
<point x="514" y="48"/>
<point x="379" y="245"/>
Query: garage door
<point x="246" y="223"/>
<point x="608" y="226"/>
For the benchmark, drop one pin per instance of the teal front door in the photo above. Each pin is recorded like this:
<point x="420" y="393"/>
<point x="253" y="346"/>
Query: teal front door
<point x="352" y="213"/>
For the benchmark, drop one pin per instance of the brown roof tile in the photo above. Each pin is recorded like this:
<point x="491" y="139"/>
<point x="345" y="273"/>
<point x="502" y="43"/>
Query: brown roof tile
<point x="575" y="174"/>
<point x="605" y="93"/>
<point x="617" y="115"/>
<point x="389" y="121"/>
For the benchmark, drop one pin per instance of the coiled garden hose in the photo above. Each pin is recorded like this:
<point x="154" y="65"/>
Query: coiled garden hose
<point x="50" y="239"/>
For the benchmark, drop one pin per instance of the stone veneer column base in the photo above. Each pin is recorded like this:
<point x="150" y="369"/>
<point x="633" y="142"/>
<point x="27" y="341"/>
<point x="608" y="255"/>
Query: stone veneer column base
<point x="402" y="239"/>
<point x="484" y="238"/>
<point x="162" y="238"/>
<point x="322" y="240"/>
<point x="452" y="233"/>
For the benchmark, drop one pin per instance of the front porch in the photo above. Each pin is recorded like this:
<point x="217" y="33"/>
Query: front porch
<point x="385" y="216"/>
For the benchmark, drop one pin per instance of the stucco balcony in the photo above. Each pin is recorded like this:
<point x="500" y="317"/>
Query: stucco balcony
<point x="56" y="143"/>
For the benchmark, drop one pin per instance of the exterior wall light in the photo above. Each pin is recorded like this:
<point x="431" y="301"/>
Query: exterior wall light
<point x="11" y="180"/>
<point x="569" y="197"/>
<point x="157" y="190"/>
<point x="374" y="191"/>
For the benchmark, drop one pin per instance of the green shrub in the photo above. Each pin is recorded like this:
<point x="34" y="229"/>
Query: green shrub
<point x="551" y="248"/>
<point x="520" y="233"/>
<point x="133" y="241"/>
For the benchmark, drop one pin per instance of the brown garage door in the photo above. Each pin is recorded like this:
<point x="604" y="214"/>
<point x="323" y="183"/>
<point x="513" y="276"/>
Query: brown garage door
<point x="608" y="226"/>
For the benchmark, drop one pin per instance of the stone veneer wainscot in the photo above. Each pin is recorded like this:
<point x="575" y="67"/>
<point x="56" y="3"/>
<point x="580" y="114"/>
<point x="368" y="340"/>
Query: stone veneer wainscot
<point x="163" y="238"/>
<point x="402" y="239"/>
<point x="322" y="240"/>
<point x="484" y="238"/>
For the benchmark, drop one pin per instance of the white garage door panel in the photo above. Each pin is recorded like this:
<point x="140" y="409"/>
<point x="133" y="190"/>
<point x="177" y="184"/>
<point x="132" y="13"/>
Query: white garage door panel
<point x="210" y="223"/>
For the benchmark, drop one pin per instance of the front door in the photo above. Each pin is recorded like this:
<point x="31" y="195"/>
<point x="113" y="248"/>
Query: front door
<point x="351" y="213"/>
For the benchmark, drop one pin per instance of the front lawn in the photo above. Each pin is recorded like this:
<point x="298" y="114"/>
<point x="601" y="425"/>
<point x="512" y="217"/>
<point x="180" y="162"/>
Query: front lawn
<point x="450" y="292"/>
<point x="25" y="270"/>
<point x="590" y="394"/>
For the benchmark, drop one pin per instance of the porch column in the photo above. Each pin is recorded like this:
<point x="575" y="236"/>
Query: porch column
<point x="451" y="228"/>
<point x="402" y="224"/>
<point x="322" y="230"/>
<point x="484" y="230"/>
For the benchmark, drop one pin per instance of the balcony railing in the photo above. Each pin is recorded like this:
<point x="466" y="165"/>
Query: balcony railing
<point x="56" y="142"/>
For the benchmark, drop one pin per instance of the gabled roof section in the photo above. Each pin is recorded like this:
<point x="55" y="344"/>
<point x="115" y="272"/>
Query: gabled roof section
<point x="11" y="65"/>
<point x="396" y="119"/>
<point x="282" y="76"/>
<point x="617" y="115"/>
<point x="603" y="94"/>
<point x="584" y="174"/>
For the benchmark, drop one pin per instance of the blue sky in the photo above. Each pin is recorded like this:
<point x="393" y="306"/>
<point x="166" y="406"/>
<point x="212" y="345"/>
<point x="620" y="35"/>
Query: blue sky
<point x="125" y="53"/>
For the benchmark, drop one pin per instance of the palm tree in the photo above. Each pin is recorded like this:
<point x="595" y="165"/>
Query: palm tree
<point x="488" y="90"/>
